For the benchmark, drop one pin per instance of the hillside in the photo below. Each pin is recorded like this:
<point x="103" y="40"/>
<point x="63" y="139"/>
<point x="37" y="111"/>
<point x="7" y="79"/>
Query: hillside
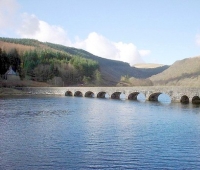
<point x="148" y="65"/>
<point x="110" y="70"/>
<point x="182" y="73"/>
<point x="149" y="71"/>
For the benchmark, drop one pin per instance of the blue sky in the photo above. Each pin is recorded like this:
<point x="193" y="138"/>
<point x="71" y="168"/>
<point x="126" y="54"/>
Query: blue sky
<point x="134" y="31"/>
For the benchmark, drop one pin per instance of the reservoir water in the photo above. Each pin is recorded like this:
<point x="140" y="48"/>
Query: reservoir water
<point x="54" y="132"/>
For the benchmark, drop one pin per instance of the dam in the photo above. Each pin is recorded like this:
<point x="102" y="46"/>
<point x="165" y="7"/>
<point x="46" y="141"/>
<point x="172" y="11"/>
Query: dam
<point x="184" y="95"/>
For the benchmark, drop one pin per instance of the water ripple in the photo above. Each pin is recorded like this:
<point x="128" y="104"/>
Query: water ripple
<point x="79" y="133"/>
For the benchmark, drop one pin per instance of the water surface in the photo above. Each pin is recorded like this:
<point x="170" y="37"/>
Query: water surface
<point x="48" y="132"/>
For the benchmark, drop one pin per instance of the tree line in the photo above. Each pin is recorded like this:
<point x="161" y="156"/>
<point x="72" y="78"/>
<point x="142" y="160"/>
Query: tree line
<point x="24" y="41"/>
<point x="11" y="58"/>
<point x="43" y="65"/>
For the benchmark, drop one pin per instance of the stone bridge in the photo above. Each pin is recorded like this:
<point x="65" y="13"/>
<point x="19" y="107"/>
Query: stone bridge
<point x="177" y="94"/>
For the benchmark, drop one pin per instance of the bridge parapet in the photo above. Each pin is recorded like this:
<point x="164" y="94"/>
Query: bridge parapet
<point x="151" y="93"/>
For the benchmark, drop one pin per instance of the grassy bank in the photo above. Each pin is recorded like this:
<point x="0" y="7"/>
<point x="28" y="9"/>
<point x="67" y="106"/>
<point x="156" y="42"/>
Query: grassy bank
<point x="10" y="91"/>
<point x="8" y="87"/>
<point x="22" y="83"/>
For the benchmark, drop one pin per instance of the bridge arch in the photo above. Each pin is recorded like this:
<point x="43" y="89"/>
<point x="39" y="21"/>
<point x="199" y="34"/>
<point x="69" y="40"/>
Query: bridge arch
<point x="196" y="100"/>
<point x="89" y="94"/>
<point x="101" y="94"/>
<point x="78" y="94"/>
<point x="154" y="97"/>
<point x="133" y="96"/>
<point x="68" y="93"/>
<point x="184" y="99"/>
<point x="116" y="95"/>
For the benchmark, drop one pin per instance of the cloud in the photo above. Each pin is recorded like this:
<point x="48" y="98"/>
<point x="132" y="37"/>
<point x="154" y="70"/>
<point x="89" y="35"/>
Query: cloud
<point x="8" y="9"/>
<point x="198" y="39"/>
<point x="144" y="52"/>
<point x="101" y="46"/>
<point x="32" y="27"/>
<point x="97" y="45"/>
<point x="128" y="53"/>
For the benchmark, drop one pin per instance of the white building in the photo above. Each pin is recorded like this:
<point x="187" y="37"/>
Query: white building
<point x="11" y="75"/>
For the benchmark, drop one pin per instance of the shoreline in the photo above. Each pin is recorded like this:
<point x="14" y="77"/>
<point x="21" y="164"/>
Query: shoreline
<point x="5" y="91"/>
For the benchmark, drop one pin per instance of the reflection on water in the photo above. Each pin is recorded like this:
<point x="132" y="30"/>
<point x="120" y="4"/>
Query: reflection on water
<point x="107" y="96"/>
<point x="122" y="96"/>
<point x="84" y="133"/>
<point x="164" y="98"/>
<point x="141" y="97"/>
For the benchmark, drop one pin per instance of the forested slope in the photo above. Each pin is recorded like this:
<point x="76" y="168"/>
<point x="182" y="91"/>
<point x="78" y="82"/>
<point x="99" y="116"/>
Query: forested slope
<point x="34" y="62"/>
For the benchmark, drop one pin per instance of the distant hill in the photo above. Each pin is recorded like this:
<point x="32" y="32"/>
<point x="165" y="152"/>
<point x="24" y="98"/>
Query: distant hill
<point x="146" y="69"/>
<point x="148" y="65"/>
<point x="182" y="73"/>
<point x="111" y="70"/>
<point x="152" y="70"/>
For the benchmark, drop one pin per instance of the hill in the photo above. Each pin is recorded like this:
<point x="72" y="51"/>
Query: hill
<point x="148" y="65"/>
<point x="111" y="70"/>
<point x="150" y="70"/>
<point x="182" y="73"/>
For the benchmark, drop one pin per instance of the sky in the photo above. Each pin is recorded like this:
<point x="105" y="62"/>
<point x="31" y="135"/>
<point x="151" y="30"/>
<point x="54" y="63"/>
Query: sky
<point x="133" y="31"/>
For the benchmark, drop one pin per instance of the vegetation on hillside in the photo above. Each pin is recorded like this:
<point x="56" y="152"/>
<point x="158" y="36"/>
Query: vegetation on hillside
<point x="182" y="73"/>
<point x="9" y="59"/>
<point x="153" y="71"/>
<point x="24" y="41"/>
<point x="43" y="65"/>
<point x="131" y="81"/>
